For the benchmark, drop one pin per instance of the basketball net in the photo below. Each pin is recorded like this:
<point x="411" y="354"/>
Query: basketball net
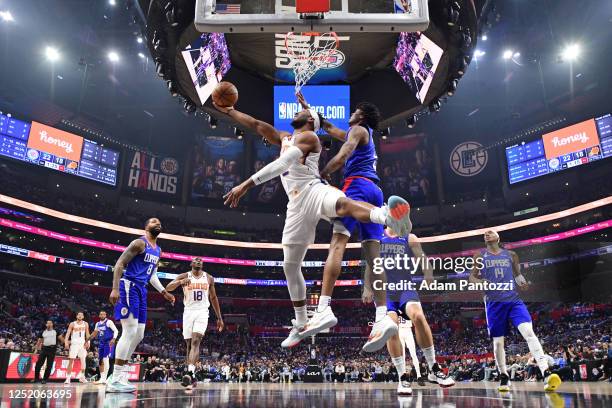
<point x="308" y="55"/>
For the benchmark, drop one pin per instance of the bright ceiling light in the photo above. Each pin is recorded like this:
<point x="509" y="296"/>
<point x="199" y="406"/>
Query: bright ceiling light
<point x="141" y="55"/>
<point x="113" y="56"/>
<point x="112" y="2"/>
<point x="52" y="54"/>
<point x="571" y="52"/>
<point x="479" y="53"/>
<point x="507" y="54"/>
<point x="139" y="40"/>
<point x="6" y="15"/>
<point x="485" y="37"/>
<point x="516" y="55"/>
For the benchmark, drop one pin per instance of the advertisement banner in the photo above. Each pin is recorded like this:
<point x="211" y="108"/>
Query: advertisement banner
<point x="570" y="139"/>
<point x="57" y="142"/>
<point x="152" y="174"/>
<point x="21" y="367"/>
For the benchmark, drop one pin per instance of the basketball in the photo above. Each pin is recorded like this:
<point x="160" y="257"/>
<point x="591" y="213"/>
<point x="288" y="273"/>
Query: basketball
<point x="225" y="94"/>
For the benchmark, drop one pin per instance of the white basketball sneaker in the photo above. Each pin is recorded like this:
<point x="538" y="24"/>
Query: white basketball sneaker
<point x="294" y="337"/>
<point x="403" y="387"/>
<point x="436" y="376"/>
<point x="398" y="216"/>
<point x="382" y="330"/>
<point x="319" y="322"/>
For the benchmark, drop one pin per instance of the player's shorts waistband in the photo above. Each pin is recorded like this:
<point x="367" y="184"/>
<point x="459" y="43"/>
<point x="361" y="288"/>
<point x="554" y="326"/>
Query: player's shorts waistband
<point x="349" y="180"/>
<point x="131" y="282"/>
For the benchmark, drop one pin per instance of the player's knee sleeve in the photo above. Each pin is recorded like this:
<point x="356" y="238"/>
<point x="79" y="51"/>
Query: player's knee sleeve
<point x="129" y="333"/>
<point x="292" y="266"/>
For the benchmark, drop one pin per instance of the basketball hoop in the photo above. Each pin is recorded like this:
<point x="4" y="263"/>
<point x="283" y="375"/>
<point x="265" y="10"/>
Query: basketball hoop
<point x="310" y="52"/>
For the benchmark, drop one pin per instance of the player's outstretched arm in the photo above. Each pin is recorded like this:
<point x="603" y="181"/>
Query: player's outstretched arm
<point x="154" y="281"/>
<point x="304" y="143"/>
<point x="265" y="130"/>
<point x="136" y="247"/>
<point x="177" y="282"/>
<point x="214" y="301"/>
<point x="92" y="335"/>
<point x="333" y="131"/>
<point x="355" y="137"/>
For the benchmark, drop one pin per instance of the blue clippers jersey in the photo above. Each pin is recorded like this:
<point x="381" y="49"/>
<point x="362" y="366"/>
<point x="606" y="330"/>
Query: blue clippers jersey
<point x="498" y="269"/>
<point x="389" y="248"/>
<point x="104" y="333"/>
<point x="362" y="162"/>
<point x="140" y="268"/>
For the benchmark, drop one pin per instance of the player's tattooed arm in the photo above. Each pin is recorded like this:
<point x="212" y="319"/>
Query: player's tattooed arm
<point x="516" y="271"/>
<point x="180" y="280"/>
<point x="417" y="251"/>
<point x="473" y="278"/>
<point x="214" y="301"/>
<point x="355" y="137"/>
<point x="136" y="247"/>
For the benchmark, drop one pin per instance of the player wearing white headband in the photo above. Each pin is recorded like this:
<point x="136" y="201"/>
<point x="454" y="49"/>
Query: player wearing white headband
<point x="310" y="199"/>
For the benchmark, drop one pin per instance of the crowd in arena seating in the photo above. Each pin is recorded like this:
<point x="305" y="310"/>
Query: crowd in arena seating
<point x="577" y="332"/>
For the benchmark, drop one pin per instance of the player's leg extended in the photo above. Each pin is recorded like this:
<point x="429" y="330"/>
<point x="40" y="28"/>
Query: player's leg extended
<point x="292" y="266"/>
<point x="396" y="215"/>
<point x="396" y="352"/>
<point x="384" y="327"/>
<point x="551" y="381"/>
<point x="123" y="352"/>
<point x="192" y="358"/>
<point x="408" y="339"/>
<point x="424" y="339"/>
<point x="83" y="359"/>
<point x="499" y="352"/>
<point x="69" y="370"/>
<point x="187" y="348"/>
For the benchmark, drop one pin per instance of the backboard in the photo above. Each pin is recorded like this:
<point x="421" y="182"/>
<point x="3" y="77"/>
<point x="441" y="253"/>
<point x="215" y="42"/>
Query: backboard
<point x="280" y="16"/>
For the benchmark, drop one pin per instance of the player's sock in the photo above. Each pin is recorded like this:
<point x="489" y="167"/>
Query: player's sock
<point x="400" y="365"/>
<point x="118" y="373"/>
<point x="381" y="312"/>
<point x="104" y="374"/>
<point x="301" y="315"/>
<point x="378" y="215"/>
<point x="324" y="301"/>
<point x="534" y="345"/>
<point x="500" y="354"/>
<point x="430" y="356"/>
<point x="191" y="368"/>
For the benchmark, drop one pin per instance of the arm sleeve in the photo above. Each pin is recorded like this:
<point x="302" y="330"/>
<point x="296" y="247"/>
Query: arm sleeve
<point x="111" y="325"/>
<point x="154" y="280"/>
<point x="278" y="166"/>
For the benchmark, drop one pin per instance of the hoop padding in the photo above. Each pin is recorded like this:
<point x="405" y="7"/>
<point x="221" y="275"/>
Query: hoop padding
<point x="262" y="245"/>
<point x="309" y="56"/>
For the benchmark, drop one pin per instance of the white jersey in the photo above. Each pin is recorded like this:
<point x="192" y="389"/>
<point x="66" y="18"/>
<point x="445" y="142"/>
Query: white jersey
<point x="78" y="332"/>
<point x="195" y="295"/>
<point x="300" y="173"/>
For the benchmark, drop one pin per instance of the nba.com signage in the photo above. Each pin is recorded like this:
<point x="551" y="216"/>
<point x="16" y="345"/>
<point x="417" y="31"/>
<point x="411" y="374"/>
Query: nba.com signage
<point x="331" y="101"/>
<point x="468" y="159"/>
<point x="153" y="174"/>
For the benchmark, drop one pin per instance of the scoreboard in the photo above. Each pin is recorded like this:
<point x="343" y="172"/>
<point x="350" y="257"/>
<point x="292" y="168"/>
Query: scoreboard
<point x="43" y="145"/>
<point x="571" y="146"/>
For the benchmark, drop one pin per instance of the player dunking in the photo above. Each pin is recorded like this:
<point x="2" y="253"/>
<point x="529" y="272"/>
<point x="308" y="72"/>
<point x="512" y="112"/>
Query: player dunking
<point x="129" y="295"/>
<point x="406" y="304"/>
<point x="198" y="294"/>
<point x="358" y="156"/>
<point x="502" y="266"/>
<point x="78" y="332"/>
<point x="310" y="199"/>
<point x="107" y="334"/>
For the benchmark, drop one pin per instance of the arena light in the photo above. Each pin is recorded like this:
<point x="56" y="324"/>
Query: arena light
<point x="507" y="54"/>
<point x="452" y="87"/>
<point x="411" y="121"/>
<point x="212" y="121"/>
<point x="571" y="52"/>
<point x="6" y="15"/>
<point x="112" y="2"/>
<point x="139" y="40"/>
<point x="113" y="56"/>
<point x="52" y="53"/>
<point x="173" y="88"/>
<point x="484" y="37"/>
<point x="479" y="53"/>
<point x="141" y="55"/>
<point x="434" y="106"/>
<point x="516" y="55"/>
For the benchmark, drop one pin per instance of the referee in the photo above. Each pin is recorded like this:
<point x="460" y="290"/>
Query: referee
<point x="47" y="344"/>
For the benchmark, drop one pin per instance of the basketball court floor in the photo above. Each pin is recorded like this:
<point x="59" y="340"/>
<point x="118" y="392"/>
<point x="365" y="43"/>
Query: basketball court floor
<point x="307" y="395"/>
